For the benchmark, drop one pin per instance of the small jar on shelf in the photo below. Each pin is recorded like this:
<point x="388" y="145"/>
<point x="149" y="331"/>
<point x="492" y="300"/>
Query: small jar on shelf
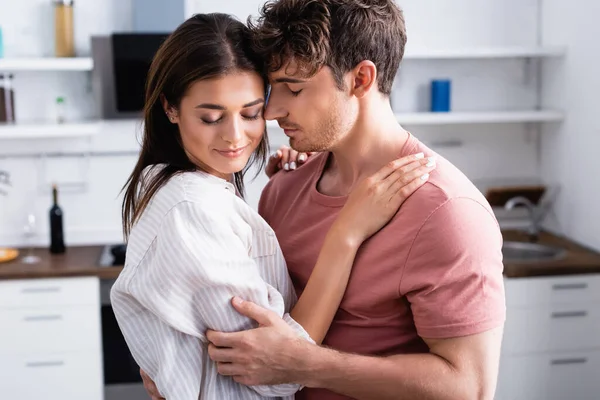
<point x="64" y="40"/>
<point x="61" y="113"/>
<point x="7" y="99"/>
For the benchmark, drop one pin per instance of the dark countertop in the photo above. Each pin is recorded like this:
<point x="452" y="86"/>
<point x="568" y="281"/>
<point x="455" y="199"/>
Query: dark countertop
<point x="77" y="261"/>
<point x="578" y="260"/>
<point x="83" y="261"/>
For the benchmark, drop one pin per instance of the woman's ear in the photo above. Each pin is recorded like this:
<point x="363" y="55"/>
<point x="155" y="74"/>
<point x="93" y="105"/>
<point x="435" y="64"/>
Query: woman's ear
<point x="169" y="110"/>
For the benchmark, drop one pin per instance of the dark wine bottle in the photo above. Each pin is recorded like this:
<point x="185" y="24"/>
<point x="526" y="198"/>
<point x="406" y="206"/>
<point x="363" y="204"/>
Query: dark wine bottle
<point x="57" y="242"/>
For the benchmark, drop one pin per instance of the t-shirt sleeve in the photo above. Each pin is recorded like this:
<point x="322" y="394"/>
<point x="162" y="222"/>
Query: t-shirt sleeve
<point x="266" y="201"/>
<point x="453" y="273"/>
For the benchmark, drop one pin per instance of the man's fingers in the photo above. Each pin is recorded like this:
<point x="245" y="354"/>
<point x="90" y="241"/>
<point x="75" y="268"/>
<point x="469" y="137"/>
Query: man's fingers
<point x="224" y="339"/>
<point x="392" y="166"/>
<point x="251" y="310"/>
<point x="150" y="386"/>
<point x="219" y="354"/>
<point x="229" y="369"/>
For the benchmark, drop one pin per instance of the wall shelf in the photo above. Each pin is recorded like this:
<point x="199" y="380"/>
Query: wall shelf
<point x="46" y="64"/>
<point x="468" y="118"/>
<point x="495" y="117"/>
<point x="484" y="53"/>
<point x="48" y="130"/>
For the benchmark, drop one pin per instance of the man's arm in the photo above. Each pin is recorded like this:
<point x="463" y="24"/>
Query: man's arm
<point x="461" y="368"/>
<point x="453" y="281"/>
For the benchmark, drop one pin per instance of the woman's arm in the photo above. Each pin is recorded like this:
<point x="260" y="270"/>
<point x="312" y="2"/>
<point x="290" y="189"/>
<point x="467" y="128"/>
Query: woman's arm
<point x="372" y="203"/>
<point x="184" y="286"/>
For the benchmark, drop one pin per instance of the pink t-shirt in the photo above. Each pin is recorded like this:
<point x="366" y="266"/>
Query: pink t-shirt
<point x="434" y="271"/>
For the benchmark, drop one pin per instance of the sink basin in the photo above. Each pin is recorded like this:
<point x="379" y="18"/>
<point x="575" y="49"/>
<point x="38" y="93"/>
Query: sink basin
<point x="523" y="252"/>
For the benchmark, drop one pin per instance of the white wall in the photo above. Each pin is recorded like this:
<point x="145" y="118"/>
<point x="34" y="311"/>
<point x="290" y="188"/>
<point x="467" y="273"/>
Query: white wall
<point x="570" y="152"/>
<point x="92" y="211"/>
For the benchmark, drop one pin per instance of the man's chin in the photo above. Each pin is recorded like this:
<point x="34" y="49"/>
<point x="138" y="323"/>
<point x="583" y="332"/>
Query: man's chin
<point x="303" y="147"/>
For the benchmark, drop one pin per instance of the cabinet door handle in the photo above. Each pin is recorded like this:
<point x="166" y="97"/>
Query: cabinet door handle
<point x="40" y="364"/>
<point x="569" y="361"/>
<point x="570" y="286"/>
<point x="569" y="314"/>
<point x="49" y="289"/>
<point x="32" y="318"/>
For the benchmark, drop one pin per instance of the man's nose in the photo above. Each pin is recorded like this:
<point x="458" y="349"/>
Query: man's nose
<point x="274" y="109"/>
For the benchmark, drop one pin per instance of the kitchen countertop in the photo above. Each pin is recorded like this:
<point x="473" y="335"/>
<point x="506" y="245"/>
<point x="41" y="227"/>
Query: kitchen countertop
<point x="76" y="261"/>
<point x="578" y="260"/>
<point x="84" y="261"/>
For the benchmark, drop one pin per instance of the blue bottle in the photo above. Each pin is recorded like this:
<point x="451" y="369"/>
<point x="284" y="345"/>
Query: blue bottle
<point x="440" y="95"/>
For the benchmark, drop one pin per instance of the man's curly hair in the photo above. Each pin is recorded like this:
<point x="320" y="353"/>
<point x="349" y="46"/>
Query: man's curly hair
<point x="334" y="33"/>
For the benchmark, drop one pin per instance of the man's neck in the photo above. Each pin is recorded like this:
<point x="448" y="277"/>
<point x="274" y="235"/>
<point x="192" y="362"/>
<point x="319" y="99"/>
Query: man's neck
<point x="376" y="139"/>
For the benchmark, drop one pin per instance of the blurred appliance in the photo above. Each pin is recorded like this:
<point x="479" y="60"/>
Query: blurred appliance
<point x="121" y="64"/>
<point x="122" y="379"/>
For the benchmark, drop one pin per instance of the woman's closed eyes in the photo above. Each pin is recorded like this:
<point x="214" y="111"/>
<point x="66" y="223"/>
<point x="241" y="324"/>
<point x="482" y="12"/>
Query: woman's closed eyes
<point x="214" y="121"/>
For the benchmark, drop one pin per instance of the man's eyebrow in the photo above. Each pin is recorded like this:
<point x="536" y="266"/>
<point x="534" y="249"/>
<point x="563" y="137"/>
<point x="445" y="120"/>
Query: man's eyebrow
<point x="289" y="80"/>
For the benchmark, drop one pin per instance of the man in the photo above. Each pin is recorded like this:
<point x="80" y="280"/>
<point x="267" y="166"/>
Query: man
<point x="423" y="313"/>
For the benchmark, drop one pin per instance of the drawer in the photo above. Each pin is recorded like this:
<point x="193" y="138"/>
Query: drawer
<point x="69" y="376"/>
<point x="553" y="290"/>
<point x="550" y="377"/>
<point x="557" y="328"/>
<point x="49" y="292"/>
<point x="49" y="329"/>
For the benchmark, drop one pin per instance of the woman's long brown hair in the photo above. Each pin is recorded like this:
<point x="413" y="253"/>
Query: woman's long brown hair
<point x="203" y="47"/>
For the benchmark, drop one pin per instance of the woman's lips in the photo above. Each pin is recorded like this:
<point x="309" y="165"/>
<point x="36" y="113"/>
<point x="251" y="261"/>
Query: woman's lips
<point x="232" y="153"/>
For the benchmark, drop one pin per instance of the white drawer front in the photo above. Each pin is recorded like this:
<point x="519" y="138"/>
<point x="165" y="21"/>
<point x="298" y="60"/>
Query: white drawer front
<point x="555" y="290"/>
<point x="49" y="292"/>
<point x="550" y="377"/>
<point x="70" y="376"/>
<point x="49" y="329"/>
<point x="557" y="328"/>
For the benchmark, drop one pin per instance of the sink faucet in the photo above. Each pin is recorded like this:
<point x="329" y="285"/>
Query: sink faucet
<point x="535" y="214"/>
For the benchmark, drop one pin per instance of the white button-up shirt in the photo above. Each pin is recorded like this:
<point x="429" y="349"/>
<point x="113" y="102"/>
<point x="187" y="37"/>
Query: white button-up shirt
<point x="196" y="246"/>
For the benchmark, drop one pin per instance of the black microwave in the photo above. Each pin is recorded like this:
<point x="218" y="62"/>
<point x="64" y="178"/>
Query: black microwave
<point x="121" y="64"/>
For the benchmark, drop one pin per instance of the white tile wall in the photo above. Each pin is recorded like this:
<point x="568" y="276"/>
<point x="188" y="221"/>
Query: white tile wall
<point x="570" y="151"/>
<point x="92" y="213"/>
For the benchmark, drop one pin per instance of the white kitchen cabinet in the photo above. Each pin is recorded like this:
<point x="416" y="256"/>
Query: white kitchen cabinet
<point x="559" y="376"/>
<point x="551" y="346"/>
<point x="531" y="292"/>
<point x="552" y="328"/>
<point x="58" y="376"/>
<point x="50" y="340"/>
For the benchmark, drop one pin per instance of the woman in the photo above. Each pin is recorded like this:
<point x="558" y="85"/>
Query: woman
<point x="193" y="243"/>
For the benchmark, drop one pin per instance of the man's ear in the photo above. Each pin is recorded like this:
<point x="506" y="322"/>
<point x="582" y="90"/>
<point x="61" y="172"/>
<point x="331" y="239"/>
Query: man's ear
<point x="364" y="78"/>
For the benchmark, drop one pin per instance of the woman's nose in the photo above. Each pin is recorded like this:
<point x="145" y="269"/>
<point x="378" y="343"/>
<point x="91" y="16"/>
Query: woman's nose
<point x="233" y="132"/>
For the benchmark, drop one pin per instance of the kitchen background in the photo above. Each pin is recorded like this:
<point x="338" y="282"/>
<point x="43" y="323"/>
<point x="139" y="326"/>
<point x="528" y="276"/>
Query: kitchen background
<point x="524" y="88"/>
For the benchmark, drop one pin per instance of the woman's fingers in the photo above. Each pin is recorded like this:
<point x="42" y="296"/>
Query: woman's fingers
<point x="394" y="165"/>
<point x="410" y="171"/>
<point x="285" y="158"/>
<point x="407" y="183"/>
<point x="273" y="164"/>
<point x="293" y="157"/>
